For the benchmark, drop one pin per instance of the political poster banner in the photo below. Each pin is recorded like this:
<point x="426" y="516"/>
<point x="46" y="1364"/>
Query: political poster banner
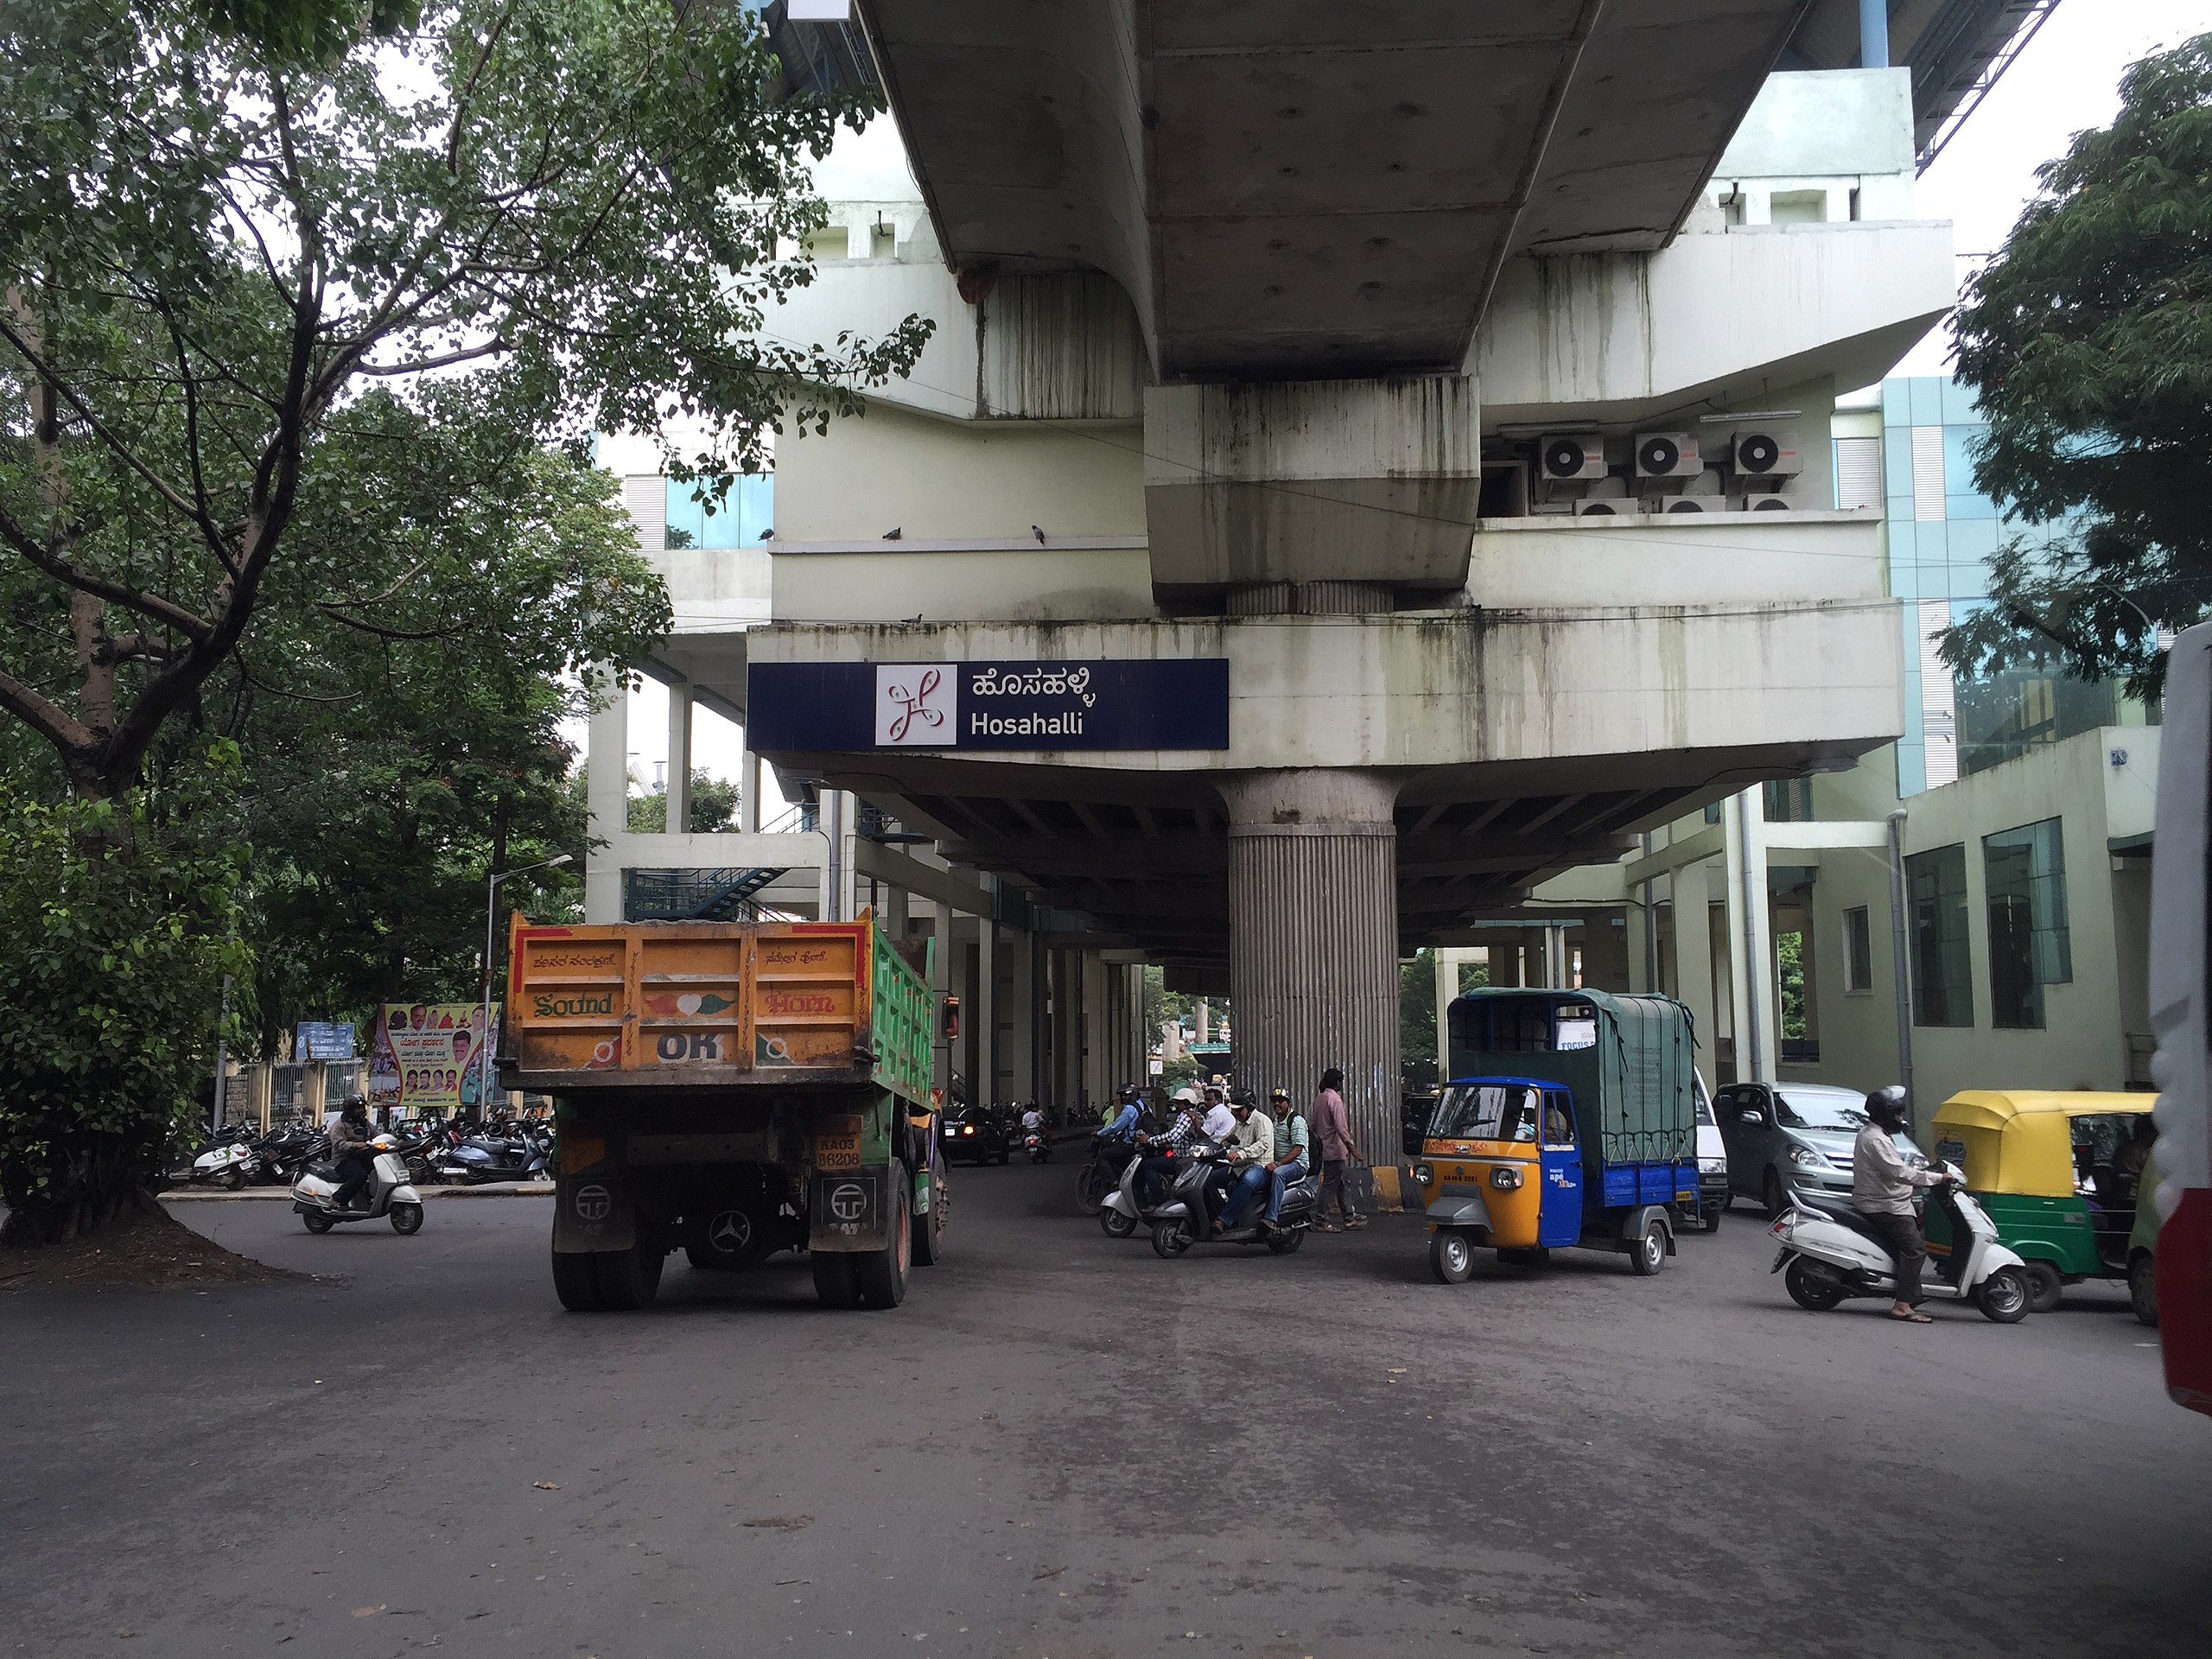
<point x="428" y="1057"/>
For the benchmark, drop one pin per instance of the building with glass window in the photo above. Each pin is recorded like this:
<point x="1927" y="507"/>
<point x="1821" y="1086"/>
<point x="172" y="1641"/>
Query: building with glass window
<point x="1974" y="897"/>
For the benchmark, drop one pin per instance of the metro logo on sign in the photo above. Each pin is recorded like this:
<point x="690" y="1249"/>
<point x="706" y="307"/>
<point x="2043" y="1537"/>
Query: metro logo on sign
<point x="916" y="705"/>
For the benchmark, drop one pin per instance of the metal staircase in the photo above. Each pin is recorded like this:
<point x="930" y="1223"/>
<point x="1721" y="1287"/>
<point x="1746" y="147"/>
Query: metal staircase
<point x="692" y="895"/>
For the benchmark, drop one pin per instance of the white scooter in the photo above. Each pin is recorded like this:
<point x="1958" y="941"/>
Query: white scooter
<point x="1830" y="1253"/>
<point x="389" y="1192"/>
<point x="1120" y="1214"/>
<point x="230" y="1163"/>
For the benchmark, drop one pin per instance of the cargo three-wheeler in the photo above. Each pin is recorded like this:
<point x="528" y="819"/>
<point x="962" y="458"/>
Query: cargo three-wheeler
<point x="1570" y="1122"/>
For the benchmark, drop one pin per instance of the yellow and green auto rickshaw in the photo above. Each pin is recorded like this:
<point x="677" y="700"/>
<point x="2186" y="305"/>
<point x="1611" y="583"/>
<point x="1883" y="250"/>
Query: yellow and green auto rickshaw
<point x="2057" y="1172"/>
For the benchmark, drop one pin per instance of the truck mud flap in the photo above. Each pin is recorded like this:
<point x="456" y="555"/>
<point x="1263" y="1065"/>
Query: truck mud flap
<point x="594" y="1211"/>
<point x="846" y="1210"/>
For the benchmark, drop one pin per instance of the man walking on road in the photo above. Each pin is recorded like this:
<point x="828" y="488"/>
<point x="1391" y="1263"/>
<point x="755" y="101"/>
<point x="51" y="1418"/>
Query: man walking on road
<point x="1332" y="1135"/>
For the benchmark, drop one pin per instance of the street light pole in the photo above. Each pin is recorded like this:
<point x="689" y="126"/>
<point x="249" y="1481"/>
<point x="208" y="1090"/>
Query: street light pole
<point x="491" y="925"/>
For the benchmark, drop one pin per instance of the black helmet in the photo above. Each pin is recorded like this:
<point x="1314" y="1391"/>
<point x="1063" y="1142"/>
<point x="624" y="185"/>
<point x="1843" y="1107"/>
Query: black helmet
<point x="1886" y="1103"/>
<point x="1242" y="1101"/>
<point x="1278" y="1093"/>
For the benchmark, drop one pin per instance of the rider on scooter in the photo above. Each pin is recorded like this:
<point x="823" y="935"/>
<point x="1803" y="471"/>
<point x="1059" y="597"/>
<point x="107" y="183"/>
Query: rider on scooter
<point x="1882" y="1185"/>
<point x="349" y="1150"/>
<point x="1251" y="1153"/>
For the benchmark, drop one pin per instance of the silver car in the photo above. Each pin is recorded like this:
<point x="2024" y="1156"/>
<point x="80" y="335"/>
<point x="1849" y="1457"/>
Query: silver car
<point x="1793" y="1135"/>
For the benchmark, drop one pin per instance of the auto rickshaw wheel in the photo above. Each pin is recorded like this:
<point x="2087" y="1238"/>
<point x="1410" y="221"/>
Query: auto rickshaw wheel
<point x="2045" y="1288"/>
<point x="1650" y="1252"/>
<point x="1451" y="1257"/>
<point x="2143" y="1287"/>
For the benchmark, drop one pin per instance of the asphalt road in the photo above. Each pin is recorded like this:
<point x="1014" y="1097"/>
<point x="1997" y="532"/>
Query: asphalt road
<point x="1063" y="1446"/>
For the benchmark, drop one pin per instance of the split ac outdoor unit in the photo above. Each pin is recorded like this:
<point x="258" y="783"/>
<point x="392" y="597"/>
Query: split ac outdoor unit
<point x="1768" y="454"/>
<point x="1769" y="504"/>
<point x="1606" y="506"/>
<point x="1666" y="454"/>
<point x="1565" y="456"/>
<point x="1674" y="503"/>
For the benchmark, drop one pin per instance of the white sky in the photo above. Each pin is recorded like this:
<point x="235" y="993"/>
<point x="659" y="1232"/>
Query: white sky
<point x="2066" y="81"/>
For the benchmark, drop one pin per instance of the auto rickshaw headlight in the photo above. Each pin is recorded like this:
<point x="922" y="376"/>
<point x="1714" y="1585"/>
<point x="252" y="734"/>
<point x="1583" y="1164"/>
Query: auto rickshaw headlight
<point x="1505" y="1177"/>
<point x="1423" y="1174"/>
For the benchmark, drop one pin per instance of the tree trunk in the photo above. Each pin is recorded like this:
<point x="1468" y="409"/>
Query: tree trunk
<point x="91" y="1185"/>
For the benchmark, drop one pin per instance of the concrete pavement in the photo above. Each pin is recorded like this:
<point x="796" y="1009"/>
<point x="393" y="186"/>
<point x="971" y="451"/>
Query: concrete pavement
<point x="1063" y="1446"/>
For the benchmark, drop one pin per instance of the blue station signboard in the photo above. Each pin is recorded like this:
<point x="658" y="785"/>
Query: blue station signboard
<point x="1135" y="703"/>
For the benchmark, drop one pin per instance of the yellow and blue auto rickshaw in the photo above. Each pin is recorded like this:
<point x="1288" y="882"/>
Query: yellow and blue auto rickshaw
<point x="2057" y="1170"/>
<point x="1569" y="1121"/>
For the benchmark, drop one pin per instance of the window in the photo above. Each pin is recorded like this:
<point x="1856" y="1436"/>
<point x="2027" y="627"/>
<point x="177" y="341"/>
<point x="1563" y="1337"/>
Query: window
<point x="882" y="241"/>
<point x="2024" y="871"/>
<point x="1857" y="950"/>
<point x="1789" y="800"/>
<point x="706" y="515"/>
<point x="1559" y="1119"/>
<point x="830" y="242"/>
<point x="1486" y="1111"/>
<point x="1942" y="972"/>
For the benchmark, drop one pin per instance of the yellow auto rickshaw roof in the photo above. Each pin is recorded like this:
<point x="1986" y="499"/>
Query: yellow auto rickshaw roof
<point x="2017" y="1140"/>
<point x="1993" y="1109"/>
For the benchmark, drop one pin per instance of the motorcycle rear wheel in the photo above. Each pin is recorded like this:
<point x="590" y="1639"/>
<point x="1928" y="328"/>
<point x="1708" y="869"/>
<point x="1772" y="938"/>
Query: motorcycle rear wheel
<point x="1809" y="1289"/>
<point x="316" y="1222"/>
<point x="1287" y="1243"/>
<point x="232" y="1179"/>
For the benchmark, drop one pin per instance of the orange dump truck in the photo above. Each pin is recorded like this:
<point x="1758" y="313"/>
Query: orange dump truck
<point x="730" y="1089"/>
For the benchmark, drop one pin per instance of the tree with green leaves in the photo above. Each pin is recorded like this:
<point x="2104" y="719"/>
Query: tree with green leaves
<point x="117" y="947"/>
<point x="2088" y="340"/>
<point x="713" y="808"/>
<point x="563" y="215"/>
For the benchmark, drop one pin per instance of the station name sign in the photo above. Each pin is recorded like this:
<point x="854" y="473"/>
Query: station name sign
<point x="1137" y="703"/>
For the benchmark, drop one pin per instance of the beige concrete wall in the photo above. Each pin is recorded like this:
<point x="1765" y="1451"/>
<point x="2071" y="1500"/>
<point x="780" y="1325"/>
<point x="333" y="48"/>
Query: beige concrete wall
<point x="1465" y="689"/>
<point x="1736" y="557"/>
<point x="882" y="582"/>
<point x="938" y="480"/>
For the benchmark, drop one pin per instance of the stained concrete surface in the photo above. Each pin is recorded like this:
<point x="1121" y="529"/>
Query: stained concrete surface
<point x="1063" y="1446"/>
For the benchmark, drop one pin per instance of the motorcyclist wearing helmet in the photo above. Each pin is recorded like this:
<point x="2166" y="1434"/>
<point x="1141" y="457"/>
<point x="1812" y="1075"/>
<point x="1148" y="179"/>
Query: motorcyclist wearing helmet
<point x="1882" y="1187"/>
<point x="1124" y="1121"/>
<point x="349" y="1149"/>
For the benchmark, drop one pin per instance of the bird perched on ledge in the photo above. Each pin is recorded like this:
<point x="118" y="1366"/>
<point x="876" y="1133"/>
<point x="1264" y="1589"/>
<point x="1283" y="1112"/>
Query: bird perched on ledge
<point x="893" y="533"/>
<point x="1039" y="534"/>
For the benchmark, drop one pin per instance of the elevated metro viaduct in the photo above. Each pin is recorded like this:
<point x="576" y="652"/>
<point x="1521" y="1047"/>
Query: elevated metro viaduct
<point x="1252" y="322"/>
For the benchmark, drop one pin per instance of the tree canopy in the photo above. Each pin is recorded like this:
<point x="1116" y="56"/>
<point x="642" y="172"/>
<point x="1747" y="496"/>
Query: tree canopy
<point x="2088" y="340"/>
<point x="542" y="218"/>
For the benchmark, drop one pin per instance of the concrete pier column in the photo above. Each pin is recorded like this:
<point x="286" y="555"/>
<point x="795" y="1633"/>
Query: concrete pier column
<point x="1314" y="939"/>
<point x="607" y="789"/>
<point x="678" y="821"/>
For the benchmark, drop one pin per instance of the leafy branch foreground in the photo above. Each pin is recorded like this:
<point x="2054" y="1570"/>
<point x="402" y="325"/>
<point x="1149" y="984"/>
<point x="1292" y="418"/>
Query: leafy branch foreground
<point x="117" y="949"/>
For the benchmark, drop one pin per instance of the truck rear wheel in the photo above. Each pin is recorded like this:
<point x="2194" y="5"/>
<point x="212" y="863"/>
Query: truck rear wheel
<point x="628" y="1280"/>
<point x="929" y="1237"/>
<point x="881" y="1274"/>
<point x="575" y="1282"/>
<point x="833" y="1282"/>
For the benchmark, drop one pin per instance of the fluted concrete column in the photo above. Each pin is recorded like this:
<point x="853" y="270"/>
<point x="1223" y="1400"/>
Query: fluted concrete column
<point x="1314" y="939"/>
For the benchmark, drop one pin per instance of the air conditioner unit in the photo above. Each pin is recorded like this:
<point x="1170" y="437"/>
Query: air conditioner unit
<point x="1769" y="504"/>
<point x="1565" y="456"/>
<point x="1606" y="506"/>
<point x="1666" y="454"/>
<point x="1674" y="503"/>
<point x="1768" y="454"/>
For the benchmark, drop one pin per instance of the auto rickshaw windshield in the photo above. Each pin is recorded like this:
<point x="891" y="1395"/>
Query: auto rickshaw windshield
<point x="1485" y="1111"/>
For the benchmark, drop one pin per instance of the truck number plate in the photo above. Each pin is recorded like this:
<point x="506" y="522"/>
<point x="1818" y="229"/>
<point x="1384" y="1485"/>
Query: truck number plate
<point x="837" y="1151"/>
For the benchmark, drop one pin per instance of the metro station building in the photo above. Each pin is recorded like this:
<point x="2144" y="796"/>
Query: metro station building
<point x="1371" y="463"/>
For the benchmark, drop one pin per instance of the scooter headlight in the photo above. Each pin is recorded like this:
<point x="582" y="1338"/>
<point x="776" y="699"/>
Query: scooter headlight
<point x="1505" y="1177"/>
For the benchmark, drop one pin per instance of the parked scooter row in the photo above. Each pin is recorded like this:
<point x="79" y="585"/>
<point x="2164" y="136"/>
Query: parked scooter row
<point x="240" y="1156"/>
